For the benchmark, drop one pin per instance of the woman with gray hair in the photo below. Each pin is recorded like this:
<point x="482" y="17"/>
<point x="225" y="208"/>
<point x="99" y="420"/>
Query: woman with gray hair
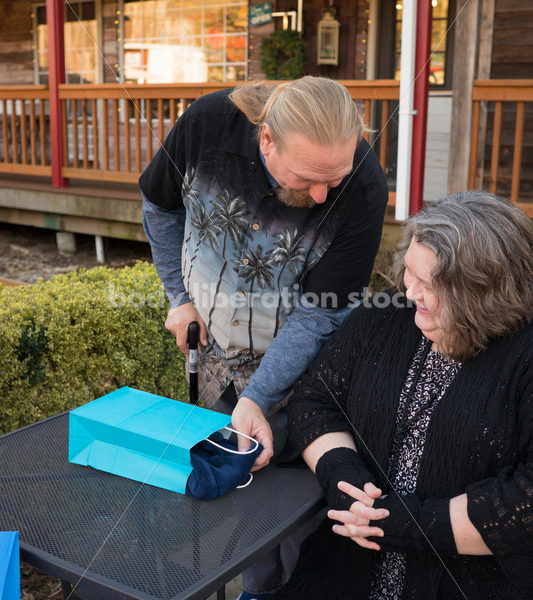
<point x="417" y="418"/>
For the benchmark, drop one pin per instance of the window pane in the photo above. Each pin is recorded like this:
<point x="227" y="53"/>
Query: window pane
<point x="214" y="19"/>
<point x="215" y="73"/>
<point x="184" y="40"/>
<point x="438" y="35"/>
<point x="236" y="19"/>
<point x="398" y="38"/>
<point x="440" y="9"/>
<point x="81" y="53"/>
<point x="41" y="15"/>
<point x="436" y="68"/>
<point x="79" y="11"/>
<point x="235" y="73"/>
<point x="438" y="40"/>
<point x="42" y="44"/>
<point x="72" y="12"/>
<point x="88" y="11"/>
<point x="397" y="60"/>
<point x="214" y="45"/>
<point x="236" y="49"/>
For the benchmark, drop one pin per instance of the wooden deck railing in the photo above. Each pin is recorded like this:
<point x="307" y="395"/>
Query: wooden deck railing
<point x="501" y="152"/>
<point x="24" y="130"/>
<point x="111" y="132"/>
<point x="379" y="98"/>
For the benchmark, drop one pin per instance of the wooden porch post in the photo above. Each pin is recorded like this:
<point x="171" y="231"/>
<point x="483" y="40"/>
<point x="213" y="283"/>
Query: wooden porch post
<point x="486" y="33"/>
<point x="56" y="76"/>
<point x="464" y="66"/>
<point x="420" y="105"/>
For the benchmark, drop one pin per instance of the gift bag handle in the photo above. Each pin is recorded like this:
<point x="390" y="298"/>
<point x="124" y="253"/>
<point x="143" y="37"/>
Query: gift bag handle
<point x="250" y="450"/>
<point x="239" y="487"/>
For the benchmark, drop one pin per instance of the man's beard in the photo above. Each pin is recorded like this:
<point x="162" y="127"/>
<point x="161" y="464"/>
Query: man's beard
<point x="295" y="199"/>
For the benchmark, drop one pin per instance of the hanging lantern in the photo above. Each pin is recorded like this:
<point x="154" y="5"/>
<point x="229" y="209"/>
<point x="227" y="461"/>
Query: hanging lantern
<point x="328" y="38"/>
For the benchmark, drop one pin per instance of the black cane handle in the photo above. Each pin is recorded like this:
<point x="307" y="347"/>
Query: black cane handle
<point x="193" y="334"/>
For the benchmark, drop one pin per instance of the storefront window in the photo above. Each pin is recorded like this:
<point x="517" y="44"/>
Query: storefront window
<point x="439" y="41"/>
<point x="81" y="52"/>
<point x="180" y="41"/>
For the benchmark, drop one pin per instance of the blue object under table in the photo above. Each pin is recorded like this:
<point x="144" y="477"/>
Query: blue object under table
<point x="120" y="539"/>
<point x="9" y="565"/>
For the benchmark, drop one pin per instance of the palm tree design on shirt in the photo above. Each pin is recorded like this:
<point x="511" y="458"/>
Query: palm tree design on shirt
<point x="207" y="229"/>
<point x="287" y="252"/>
<point x="230" y="219"/>
<point x="256" y="268"/>
<point x="187" y="191"/>
<point x="189" y="195"/>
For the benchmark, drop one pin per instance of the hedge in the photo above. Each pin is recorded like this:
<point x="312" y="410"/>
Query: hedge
<point x="78" y="336"/>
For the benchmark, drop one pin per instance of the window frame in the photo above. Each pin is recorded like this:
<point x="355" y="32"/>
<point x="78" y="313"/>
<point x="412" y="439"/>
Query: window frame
<point x="37" y="72"/>
<point x="387" y="34"/>
<point x="224" y="63"/>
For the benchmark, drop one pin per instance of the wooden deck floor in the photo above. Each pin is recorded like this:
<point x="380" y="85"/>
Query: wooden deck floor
<point x="99" y="208"/>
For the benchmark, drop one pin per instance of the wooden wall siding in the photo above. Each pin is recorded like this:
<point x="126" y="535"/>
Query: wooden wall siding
<point x="347" y="15"/>
<point x="437" y="146"/>
<point x="16" y="55"/>
<point x="512" y="45"/>
<point x="255" y="36"/>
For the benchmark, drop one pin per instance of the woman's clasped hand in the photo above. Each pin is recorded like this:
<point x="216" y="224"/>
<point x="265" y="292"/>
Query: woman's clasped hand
<point x="356" y="522"/>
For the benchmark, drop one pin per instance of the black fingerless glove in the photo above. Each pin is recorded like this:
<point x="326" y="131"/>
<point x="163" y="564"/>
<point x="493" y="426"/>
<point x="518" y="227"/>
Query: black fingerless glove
<point x="341" y="464"/>
<point x="415" y="526"/>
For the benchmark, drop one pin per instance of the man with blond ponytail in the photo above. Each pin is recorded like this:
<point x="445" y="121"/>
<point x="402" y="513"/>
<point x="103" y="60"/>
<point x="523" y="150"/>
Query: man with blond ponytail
<point x="264" y="209"/>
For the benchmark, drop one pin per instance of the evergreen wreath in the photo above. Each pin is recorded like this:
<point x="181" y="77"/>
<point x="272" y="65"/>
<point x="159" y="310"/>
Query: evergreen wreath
<point x="283" y="55"/>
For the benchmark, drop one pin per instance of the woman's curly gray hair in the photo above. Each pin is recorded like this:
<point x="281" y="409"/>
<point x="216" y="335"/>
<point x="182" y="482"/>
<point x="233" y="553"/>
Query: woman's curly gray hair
<point x="484" y="274"/>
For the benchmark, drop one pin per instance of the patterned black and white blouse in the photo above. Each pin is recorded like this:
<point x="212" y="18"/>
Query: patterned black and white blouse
<point x="428" y="379"/>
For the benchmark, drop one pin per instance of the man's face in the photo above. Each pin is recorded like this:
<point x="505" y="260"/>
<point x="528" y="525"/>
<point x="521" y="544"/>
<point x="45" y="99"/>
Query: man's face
<point x="304" y="169"/>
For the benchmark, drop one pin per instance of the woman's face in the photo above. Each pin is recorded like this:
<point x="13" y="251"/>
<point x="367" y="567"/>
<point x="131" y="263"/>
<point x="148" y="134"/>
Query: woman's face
<point x="419" y="263"/>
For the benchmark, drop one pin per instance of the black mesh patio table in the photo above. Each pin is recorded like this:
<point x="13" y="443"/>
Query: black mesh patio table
<point x="120" y="539"/>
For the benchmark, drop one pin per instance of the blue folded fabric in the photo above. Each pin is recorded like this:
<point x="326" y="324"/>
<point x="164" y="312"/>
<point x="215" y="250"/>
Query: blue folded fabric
<point x="215" y="471"/>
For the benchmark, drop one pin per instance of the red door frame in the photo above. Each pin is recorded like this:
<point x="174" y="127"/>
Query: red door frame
<point x="420" y="104"/>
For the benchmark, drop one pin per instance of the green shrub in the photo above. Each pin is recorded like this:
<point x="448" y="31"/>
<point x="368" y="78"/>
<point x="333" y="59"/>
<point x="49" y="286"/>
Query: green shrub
<point x="78" y="336"/>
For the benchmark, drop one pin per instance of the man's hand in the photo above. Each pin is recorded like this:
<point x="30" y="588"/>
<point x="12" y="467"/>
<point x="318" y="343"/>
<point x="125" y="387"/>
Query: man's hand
<point x="177" y="322"/>
<point x="355" y="522"/>
<point x="248" y="418"/>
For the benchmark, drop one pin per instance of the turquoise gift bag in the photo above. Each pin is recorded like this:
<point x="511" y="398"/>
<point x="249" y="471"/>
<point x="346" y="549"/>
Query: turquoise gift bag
<point x="9" y="565"/>
<point x="140" y="436"/>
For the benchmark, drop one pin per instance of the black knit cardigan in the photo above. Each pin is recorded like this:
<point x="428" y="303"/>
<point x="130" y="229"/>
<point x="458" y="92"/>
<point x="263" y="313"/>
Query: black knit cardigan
<point x="479" y="440"/>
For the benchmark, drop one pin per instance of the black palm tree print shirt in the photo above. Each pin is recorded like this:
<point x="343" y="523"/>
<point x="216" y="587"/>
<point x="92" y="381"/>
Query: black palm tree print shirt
<point x="246" y="256"/>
